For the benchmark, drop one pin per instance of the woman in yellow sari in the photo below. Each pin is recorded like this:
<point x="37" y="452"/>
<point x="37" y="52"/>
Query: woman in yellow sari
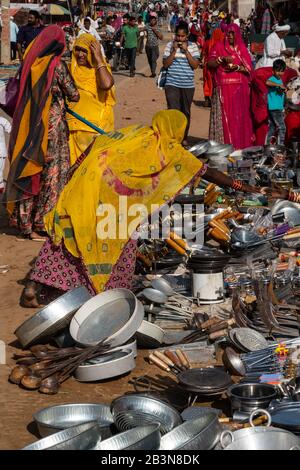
<point x="95" y="83"/>
<point x="93" y="225"/>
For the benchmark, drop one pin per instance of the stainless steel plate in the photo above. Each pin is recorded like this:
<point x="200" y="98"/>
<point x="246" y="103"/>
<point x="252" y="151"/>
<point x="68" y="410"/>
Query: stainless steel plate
<point x="53" y="318"/>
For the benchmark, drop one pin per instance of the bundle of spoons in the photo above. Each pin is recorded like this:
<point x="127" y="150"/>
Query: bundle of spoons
<point x="45" y="368"/>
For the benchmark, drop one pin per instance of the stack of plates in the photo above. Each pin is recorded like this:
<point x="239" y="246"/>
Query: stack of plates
<point x="247" y="340"/>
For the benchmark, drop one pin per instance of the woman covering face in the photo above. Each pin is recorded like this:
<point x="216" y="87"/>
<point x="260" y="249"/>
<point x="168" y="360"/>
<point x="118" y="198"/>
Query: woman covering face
<point x="95" y="83"/>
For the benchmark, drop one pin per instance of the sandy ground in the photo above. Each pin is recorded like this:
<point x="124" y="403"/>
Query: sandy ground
<point x="138" y="100"/>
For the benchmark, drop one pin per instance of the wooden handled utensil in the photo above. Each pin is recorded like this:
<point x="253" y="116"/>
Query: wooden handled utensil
<point x="183" y="359"/>
<point x="174" y="359"/>
<point x="166" y="360"/>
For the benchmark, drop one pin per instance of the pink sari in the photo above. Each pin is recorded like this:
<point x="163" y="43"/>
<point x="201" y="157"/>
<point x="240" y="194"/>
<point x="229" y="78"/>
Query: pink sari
<point x="231" y="120"/>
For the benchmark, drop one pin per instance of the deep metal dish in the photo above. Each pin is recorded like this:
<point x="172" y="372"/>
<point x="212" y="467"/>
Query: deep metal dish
<point x="139" y="438"/>
<point x="259" y="438"/>
<point x="218" y="150"/>
<point x="112" y="316"/>
<point x="56" y="418"/>
<point x="53" y="318"/>
<point x="149" y="335"/>
<point x="82" y="437"/>
<point x="199" y="434"/>
<point x="134" y="410"/>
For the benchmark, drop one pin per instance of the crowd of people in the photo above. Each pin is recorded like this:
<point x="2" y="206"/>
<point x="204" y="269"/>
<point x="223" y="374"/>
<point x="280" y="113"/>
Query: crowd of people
<point x="56" y="149"/>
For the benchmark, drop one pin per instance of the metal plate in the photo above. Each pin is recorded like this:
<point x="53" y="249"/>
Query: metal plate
<point x="205" y="380"/>
<point x="53" y="318"/>
<point x="249" y="339"/>
<point x="112" y="316"/>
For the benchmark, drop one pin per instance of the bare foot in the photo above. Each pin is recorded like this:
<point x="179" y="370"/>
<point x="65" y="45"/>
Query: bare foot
<point x="37" y="237"/>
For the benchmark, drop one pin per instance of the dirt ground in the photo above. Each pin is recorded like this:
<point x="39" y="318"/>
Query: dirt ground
<point x="138" y="100"/>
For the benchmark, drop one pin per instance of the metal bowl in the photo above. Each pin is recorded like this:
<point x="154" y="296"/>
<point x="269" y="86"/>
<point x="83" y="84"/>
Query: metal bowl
<point x="290" y="209"/>
<point x="250" y="396"/>
<point x="140" y="438"/>
<point x="81" y="437"/>
<point x="56" y="418"/>
<point x="130" y="411"/>
<point x="199" y="434"/>
<point x="53" y="318"/>
<point x="112" y="316"/>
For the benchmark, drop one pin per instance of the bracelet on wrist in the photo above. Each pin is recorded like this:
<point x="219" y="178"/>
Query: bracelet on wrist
<point x="293" y="196"/>
<point x="237" y="185"/>
<point x="100" y="66"/>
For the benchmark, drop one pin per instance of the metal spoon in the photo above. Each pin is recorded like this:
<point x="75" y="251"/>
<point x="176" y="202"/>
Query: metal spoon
<point x="161" y="284"/>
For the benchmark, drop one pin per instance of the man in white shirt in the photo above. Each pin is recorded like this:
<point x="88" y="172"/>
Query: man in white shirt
<point x="275" y="47"/>
<point x="5" y="127"/>
<point x="13" y="38"/>
<point x="87" y="28"/>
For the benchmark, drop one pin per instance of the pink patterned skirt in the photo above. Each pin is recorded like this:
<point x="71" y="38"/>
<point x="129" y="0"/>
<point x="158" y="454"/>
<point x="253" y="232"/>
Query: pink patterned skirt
<point x="55" y="267"/>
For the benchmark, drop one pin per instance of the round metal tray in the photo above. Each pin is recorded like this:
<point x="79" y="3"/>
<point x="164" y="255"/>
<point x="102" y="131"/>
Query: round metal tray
<point x="112" y="316"/>
<point x="53" y="318"/>
<point x="107" y="366"/>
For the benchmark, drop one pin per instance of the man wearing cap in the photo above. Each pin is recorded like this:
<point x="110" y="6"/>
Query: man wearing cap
<point x="275" y="47"/>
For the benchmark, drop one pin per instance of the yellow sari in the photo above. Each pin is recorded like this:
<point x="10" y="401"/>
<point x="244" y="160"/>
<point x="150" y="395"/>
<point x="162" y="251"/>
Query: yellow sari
<point x="136" y="165"/>
<point x="94" y="105"/>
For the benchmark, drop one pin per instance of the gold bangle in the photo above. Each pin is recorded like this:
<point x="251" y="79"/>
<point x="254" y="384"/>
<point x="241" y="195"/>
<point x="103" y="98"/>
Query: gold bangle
<point x="100" y="66"/>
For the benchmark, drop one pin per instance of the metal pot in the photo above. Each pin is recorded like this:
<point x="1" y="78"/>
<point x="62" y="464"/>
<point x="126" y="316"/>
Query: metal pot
<point x="250" y="396"/>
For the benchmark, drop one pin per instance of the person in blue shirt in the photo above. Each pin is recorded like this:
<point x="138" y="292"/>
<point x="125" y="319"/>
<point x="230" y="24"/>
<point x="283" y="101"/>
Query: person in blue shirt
<point x="276" y="99"/>
<point x="13" y="38"/>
